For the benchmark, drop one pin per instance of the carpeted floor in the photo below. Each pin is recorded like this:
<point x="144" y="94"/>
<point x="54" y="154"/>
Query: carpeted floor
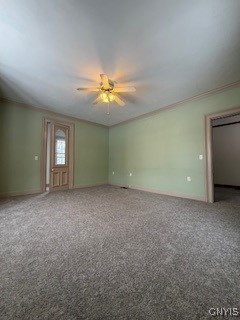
<point x="110" y="253"/>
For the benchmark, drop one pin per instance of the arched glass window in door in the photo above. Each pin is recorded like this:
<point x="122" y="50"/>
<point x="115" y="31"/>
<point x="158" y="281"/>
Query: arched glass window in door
<point x="60" y="147"/>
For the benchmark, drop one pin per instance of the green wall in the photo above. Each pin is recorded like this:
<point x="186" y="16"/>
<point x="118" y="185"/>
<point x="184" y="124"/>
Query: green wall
<point x="160" y="150"/>
<point x="163" y="149"/>
<point x="20" y="141"/>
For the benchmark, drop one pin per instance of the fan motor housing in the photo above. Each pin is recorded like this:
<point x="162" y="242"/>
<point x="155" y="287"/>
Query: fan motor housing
<point x="111" y="83"/>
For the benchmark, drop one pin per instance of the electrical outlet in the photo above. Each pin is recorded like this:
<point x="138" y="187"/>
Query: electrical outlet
<point x="113" y="172"/>
<point x="200" y="157"/>
<point x="130" y="174"/>
<point x="189" y="179"/>
<point x="36" y="158"/>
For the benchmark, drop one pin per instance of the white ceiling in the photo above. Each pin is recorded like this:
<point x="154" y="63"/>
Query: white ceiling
<point x="169" y="50"/>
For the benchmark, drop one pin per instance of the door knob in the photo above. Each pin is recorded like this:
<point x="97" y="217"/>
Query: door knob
<point x="52" y="170"/>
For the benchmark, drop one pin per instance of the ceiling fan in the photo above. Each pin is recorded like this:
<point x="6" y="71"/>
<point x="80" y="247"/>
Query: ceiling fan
<point x="107" y="91"/>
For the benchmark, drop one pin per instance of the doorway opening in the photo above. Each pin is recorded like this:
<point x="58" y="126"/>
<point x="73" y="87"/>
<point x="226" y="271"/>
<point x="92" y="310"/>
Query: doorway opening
<point x="57" y="155"/>
<point x="222" y="155"/>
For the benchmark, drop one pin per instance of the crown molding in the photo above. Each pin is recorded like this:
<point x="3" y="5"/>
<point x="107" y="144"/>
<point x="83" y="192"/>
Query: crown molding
<point x="179" y="103"/>
<point x="53" y="113"/>
<point x="145" y="115"/>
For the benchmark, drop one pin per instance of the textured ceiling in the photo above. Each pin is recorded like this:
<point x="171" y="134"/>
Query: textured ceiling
<point x="169" y="50"/>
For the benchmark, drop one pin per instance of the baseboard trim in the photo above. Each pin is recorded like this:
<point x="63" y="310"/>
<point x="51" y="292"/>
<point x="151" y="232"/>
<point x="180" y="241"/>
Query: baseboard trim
<point x="90" y="185"/>
<point x="19" y="193"/>
<point x="38" y="191"/>
<point x="162" y="192"/>
<point x="118" y="185"/>
<point x="146" y="189"/>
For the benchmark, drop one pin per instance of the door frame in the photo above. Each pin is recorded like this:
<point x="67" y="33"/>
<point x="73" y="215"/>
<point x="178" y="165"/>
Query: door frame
<point x="209" y="183"/>
<point x="44" y="150"/>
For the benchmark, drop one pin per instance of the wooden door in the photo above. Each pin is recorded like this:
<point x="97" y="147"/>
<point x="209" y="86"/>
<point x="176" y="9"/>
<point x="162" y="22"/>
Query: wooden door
<point x="59" y="178"/>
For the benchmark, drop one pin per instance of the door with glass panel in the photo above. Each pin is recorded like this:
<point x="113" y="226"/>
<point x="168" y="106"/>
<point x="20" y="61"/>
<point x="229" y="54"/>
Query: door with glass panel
<point x="59" y="176"/>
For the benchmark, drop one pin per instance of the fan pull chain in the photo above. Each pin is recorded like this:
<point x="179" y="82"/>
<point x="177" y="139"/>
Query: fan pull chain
<point x="108" y="109"/>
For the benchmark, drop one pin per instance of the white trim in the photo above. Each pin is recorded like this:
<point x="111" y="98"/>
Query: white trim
<point x="209" y="185"/>
<point x="19" y="193"/>
<point x="48" y="110"/>
<point x="182" y="102"/>
<point x="163" y="192"/>
<point x="118" y="185"/>
<point x="44" y="109"/>
<point x="39" y="191"/>
<point x="152" y="190"/>
<point x="90" y="185"/>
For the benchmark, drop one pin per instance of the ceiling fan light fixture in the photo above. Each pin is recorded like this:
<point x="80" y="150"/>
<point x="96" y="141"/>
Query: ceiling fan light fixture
<point x="104" y="96"/>
<point x="107" y="92"/>
<point x="107" y="96"/>
<point x="111" y="96"/>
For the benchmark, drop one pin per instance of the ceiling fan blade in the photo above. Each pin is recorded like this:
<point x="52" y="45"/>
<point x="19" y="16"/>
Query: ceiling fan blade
<point x="105" y="81"/>
<point x="94" y="89"/>
<point x="119" y="101"/>
<point x="124" y="89"/>
<point x="97" y="100"/>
